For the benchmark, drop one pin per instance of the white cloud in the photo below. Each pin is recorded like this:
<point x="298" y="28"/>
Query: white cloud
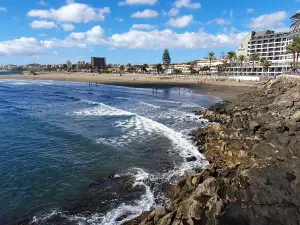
<point x="146" y="14"/>
<point x="43" y="3"/>
<point x="281" y="29"/>
<point x="142" y="27"/>
<point x="160" y="39"/>
<point x="138" y="2"/>
<point x="187" y="4"/>
<point x="172" y="12"/>
<point x="70" y="2"/>
<point x="42" y="24"/>
<point x="22" y="46"/>
<point x="152" y="40"/>
<point x="74" y="12"/>
<point x="3" y="9"/>
<point x="181" y="22"/>
<point x="267" y="21"/>
<point x="93" y="36"/>
<point x="220" y="21"/>
<point x="67" y="27"/>
<point x="250" y="10"/>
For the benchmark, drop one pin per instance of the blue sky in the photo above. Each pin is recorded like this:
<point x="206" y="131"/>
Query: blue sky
<point x="131" y="31"/>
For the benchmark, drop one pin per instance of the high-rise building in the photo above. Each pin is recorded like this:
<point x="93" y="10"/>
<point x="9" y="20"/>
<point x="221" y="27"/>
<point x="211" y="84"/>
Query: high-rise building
<point x="69" y="64"/>
<point x="98" y="62"/>
<point x="269" y="45"/>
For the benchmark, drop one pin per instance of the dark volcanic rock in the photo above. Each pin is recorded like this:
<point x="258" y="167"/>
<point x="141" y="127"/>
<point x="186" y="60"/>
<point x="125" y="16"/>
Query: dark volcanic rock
<point x="191" y="159"/>
<point x="253" y="147"/>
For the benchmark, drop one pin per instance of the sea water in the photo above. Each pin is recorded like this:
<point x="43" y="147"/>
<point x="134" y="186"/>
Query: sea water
<point x="74" y="153"/>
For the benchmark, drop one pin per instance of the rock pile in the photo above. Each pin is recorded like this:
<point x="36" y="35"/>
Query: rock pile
<point x="253" y="147"/>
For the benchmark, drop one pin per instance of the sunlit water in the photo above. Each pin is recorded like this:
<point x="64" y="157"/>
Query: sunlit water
<point x="75" y="153"/>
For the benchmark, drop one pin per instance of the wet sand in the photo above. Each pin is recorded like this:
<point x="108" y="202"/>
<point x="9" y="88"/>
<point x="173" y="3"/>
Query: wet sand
<point x="226" y="89"/>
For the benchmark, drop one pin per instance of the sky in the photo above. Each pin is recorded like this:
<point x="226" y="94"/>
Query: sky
<point x="132" y="31"/>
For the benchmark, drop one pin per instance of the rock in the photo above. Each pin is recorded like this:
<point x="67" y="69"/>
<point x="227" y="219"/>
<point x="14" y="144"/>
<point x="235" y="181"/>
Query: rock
<point x="296" y="115"/>
<point x="195" y="181"/>
<point x="254" y="126"/>
<point x="253" y="146"/>
<point x="191" y="159"/>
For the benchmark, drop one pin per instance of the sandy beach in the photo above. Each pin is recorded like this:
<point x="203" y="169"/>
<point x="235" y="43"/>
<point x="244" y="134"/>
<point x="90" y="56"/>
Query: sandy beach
<point x="226" y="89"/>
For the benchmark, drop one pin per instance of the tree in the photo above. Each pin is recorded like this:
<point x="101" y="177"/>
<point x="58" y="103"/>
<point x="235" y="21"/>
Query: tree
<point x="220" y="69"/>
<point x="144" y="68"/>
<point x="129" y="68"/>
<point x="205" y="69"/>
<point x="177" y="71"/>
<point x="265" y="64"/>
<point x="295" y="21"/>
<point x="292" y="49"/>
<point x="254" y="57"/>
<point x="211" y="56"/>
<point x="231" y="56"/>
<point x="159" y="68"/>
<point x="192" y="66"/>
<point x="241" y="58"/>
<point x="166" y="58"/>
<point x="122" y="68"/>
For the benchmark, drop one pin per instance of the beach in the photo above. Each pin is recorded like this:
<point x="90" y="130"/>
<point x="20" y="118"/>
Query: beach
<point x="225" y="89"/>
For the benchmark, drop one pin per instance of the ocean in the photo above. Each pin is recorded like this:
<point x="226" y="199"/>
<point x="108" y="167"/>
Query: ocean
<point x="9" y="73"/>
<point x="74" y="153"/>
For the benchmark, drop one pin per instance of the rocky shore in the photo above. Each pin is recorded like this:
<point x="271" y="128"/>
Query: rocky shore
<point x="253" y="147"/>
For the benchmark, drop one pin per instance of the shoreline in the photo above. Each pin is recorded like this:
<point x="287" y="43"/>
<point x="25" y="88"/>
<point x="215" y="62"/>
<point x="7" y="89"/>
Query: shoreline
<point x="227" y="90"/>
<point x="253" y="173"/>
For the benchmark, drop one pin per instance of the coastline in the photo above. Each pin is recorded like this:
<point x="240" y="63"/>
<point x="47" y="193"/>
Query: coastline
<point x="252" y="145"/>
<point x="227" y="90"/>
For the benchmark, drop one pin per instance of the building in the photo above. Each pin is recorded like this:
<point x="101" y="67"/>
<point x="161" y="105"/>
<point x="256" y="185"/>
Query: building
<point x="69" y="64"/>
<point x="98" y="62"/>
<point x="207" y="63"/>
<point x="269" y="45"/>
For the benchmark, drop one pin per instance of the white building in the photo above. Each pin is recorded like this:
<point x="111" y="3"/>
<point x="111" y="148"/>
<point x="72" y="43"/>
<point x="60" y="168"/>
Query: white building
<point x="269" y="45"/>
<point x="206" y="63"/>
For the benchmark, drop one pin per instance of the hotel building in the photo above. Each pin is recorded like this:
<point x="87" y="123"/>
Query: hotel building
<point x="269" y="45"/>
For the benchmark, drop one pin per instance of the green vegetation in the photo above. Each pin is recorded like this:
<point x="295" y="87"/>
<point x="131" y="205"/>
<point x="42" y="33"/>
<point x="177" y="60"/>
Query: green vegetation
<point x="254" y="58"/>
<point x="294" y="49"/>
<point x="231" y="56"/>
<point x="295" y="22"/>
<point x="242" y="59"/>
<point x="177" y="71"/>
<point x="211" y="56"/>
<point x="166" y="58"/>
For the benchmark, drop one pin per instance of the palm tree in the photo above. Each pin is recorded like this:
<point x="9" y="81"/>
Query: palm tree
<point x="296" y="43"/>
<point x="295" y="22"/>
<point x="220" y="68"/>
<point x="241" y="58"/>
<point x="265" y="64"/>
<point x="145" y="67"/>
<point x="231" y="56"/>
<point x="211" y="56"/>
<point x="292" y="49"/>
<point x="254" y="57"/>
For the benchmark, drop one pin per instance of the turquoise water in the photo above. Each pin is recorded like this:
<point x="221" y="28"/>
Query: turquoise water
<point x="72" y="153"/>
<point x="9" y="73"/>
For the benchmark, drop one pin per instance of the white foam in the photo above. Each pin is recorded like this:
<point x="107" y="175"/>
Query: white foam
<point x="150" y="105"/>
<point x="101" y="110"/>
<point x="190" y="105"/>
<point x="145" y="203"/>
<point x="122" y="98"/>
<point x="43" y="217"/>
<point x="144" y="126"/>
